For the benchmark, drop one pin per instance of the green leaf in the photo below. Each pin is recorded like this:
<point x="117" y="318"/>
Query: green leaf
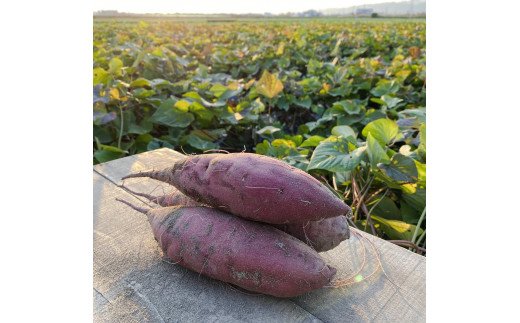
<point x="383" y="130"/>
<point x="257" y="106"/>
<point x="158" y="143"/>
<point x="333" y="155"/>
<point x="348" y="106"/>
<point x="145" y="127"/>
<point x="401" y="169"/>
<point x="305" y="102"/>
<point x="385" y="208"/>
<point x="421" y="174"/>
<point x="201" y="111"/>
<point x="193" y="95"/>
<point x="417" y="200"/>
<point x="397" y="230"/>
<point x="108" y="153"/>
<point x="140" y="82"/>
<point x="199" y="143"/>
<point x="385" y="87"/>
<point x="422" y="135"/>
<point x="142" y="93"/>
<point x="269" y="130"/>
<point x="100" y="76"/>
<point x="344" y="131"/>
<point x="103" y="156"/>
<point x="390" y="101"/>
<point x="263" y="148"/>
<point x="269" y="85"/>
<point x="376" y="153"/>
<point x="103" y="135"/>
<point x="112" y="149"/>
<point x="283" y="143"/>
<point x="312" y="141"/>
<point x="218" y="89"/>
<point x="115" y="66"/>
<point x="409" y="214"/>
<point x="141" y="142"/>
<point x="168" y="115"/>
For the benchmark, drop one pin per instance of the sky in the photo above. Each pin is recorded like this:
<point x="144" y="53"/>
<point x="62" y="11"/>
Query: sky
<point x="225" y="6"/>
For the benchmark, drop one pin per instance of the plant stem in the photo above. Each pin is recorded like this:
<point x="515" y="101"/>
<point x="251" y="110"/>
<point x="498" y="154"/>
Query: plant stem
<point x="98" y="144"/>
<point x="416" y="232"/>
<point x="334" y="182"/>
<point x="373" y="207"/>
<point x="352" y="223"/>
<point x="120" y="130"/>
<point x="419" y="240"/>
<point x="374" y="194"/>
<point x="407" y="244"/>
<point x="355" y="196"/>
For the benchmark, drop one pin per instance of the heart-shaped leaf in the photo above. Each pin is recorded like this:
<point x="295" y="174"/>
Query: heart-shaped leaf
<point x="167" y="114"/>
<point x="383" y="130"/>
<point x="376" y="153"/>
<point x="344" y="131"/>
<point x="333" y="155"/>
<point x="269" y="85"/>
<point x="397" y="230"/>
<point x="401" y="169"/>
<point x="269" y="130"/>
<point x="312" y="141"/>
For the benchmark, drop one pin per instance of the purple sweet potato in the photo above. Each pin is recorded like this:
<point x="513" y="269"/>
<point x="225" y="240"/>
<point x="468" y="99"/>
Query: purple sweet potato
<point x="251" y="255"/>
<point x="321" y="235"/>
<point x="252" y="186"/>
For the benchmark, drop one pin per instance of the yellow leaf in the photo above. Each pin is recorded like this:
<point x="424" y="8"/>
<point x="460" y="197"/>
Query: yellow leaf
<point x="182" y="105"/>
<point x="233" y="85"/>
<point x="238" y="116"/>
<point x="374" y="63"/>
<point x="283" y="143"/>
<point x="409" y="188"/>
<point x="403" y="74"/>
<point x="114" y="94"/>
<point x="249" y="84"/>
<point x="398" y="58"/>
<point x="281" y="47"/>
<point x="269" y="85"/>
<point x="397" y="230"/>
<point x="325" y="89"/>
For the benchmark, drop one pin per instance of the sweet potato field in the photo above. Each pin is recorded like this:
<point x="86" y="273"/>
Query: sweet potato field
<point x="342" y="100"/>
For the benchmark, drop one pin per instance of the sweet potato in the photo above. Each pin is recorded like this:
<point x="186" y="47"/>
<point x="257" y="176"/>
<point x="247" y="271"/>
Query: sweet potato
<point x="251" y="255"/>
<point x="321" y="235"/>
<point x="252" y="186"/>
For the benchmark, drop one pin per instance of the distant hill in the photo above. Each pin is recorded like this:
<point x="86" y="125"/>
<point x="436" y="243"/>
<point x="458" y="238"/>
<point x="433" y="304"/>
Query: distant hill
<point x="404" y="8"/>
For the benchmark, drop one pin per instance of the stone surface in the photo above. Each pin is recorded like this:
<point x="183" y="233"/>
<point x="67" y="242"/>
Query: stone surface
<point x="133" y="283"/>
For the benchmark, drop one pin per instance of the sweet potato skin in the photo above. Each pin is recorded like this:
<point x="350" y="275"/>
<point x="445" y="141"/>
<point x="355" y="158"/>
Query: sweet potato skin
<point x="252" y="186"/>
<point x="254" y="256"/>
<point x="175" y="198"/>
<point x="322" y="235"/>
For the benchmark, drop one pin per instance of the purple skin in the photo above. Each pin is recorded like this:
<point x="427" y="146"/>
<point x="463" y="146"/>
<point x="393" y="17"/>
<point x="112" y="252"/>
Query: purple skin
<point x="252" y="186"/>
<point x="321" y="235"/>
<point x="251" y="255"/>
